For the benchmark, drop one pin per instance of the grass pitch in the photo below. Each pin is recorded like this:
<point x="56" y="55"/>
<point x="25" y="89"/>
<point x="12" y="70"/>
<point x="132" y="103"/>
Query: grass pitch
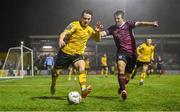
<point x="33" y="94"/>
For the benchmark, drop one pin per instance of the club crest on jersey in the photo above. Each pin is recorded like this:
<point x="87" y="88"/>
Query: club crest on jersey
<point x="120" y="57"/>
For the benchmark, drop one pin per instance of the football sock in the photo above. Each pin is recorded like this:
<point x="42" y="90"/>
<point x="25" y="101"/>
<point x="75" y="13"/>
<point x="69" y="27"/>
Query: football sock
<point x="122" y="81"/>
<point x="143" y="75"/>
<point x="82" y="80"/>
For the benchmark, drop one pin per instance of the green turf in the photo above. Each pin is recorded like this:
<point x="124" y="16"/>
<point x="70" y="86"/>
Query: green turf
<point x="157" y="94"/>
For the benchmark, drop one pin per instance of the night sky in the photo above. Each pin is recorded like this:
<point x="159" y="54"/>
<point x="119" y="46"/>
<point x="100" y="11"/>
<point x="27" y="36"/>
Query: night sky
<point x="22" y="18"/>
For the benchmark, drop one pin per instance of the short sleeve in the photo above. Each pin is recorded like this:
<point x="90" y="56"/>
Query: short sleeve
<point x="70" y="28"/>
<point x="131" y="24"/>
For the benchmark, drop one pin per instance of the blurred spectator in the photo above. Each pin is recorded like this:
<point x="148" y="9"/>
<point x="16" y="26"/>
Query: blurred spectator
<point x="49" y="62"/>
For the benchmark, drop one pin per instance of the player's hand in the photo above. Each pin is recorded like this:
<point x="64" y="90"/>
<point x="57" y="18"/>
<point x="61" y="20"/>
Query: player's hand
<point x="61" y="43"/>
<point x="156" y="24"/>
<point x="98" y="26"/>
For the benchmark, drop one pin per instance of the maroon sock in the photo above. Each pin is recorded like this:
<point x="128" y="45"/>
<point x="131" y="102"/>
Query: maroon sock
<point x="122" y="81"/>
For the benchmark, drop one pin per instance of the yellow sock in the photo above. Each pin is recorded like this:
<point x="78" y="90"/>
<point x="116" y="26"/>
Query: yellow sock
<point x="82" y="80"/>
<point x="143" y="75"/>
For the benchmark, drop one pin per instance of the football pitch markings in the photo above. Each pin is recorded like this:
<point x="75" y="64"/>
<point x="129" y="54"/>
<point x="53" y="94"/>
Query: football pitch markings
<point x="27" y="85"/>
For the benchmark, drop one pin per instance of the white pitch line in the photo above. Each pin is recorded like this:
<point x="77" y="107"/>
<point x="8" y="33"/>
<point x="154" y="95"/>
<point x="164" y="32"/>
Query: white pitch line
<point x="8" y="80"/>
<point x="148" y="84"/>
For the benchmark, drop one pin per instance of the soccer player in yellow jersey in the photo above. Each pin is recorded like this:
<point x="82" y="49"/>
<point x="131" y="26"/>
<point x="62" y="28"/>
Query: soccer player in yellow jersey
<point x="72" y="51"/>
<point x="145" y="54"/>
<point x="87" y="65"/>
<point x="104" y="66"/>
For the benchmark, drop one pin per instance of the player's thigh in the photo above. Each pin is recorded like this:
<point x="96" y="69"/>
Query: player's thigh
<point x="80" y="65"/>
<point x="145" y="67"/>
<point x="121" y="64"/>
<point x="131" y="64"/>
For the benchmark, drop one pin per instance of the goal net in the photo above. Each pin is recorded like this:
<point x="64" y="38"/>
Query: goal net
<point x="18" y="63"/>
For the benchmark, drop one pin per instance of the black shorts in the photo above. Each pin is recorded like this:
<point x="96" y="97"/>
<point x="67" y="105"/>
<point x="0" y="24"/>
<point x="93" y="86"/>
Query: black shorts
<point x="150" y="67"/>
<point x="87" y="69"/>
<point x="104" y="67"/>
<point x="129" y="59"/>
<point x="63" y="60"/>
<point x="159" y="67"/>
<point x="140" y="63"/>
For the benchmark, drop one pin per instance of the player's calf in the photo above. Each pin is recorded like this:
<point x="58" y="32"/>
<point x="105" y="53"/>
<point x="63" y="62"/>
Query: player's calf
<point x="53" y="83"/>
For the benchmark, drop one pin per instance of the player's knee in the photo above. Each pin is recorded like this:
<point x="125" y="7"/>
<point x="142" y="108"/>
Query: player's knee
<point x="121" y="70"/>
<point x="82" y="69"/>
<point x="121" y="73"/>
<point x="144" y="70"/>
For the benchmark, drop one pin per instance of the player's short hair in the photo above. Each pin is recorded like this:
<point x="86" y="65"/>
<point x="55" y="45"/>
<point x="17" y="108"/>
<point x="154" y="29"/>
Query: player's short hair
<point x="119" y="12"/>
<point x="87" y="11"/>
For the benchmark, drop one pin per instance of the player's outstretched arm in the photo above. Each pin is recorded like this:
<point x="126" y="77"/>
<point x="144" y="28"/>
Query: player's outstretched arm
<point x="147" y="23"/>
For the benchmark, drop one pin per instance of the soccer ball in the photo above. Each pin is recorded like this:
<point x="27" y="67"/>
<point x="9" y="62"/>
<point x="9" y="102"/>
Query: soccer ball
<point x="74" y="97"/>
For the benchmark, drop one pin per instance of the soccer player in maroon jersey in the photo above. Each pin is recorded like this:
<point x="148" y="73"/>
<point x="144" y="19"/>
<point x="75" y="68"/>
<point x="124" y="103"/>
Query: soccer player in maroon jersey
<point x="122" y="33"/>
<point x="160" y="67"/>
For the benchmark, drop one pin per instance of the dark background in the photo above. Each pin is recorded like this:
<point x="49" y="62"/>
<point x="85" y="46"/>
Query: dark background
<point x="22" y="18"/>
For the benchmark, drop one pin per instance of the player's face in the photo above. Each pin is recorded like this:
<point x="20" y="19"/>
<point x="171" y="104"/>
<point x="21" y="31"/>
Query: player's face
<point x="118" y="20"/>
<point x="85" y="19"/>
<point x="149" y="41"/>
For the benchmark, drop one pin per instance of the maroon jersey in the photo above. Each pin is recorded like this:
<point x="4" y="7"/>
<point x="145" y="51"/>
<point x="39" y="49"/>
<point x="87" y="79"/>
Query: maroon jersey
<point x="123" y="37"/>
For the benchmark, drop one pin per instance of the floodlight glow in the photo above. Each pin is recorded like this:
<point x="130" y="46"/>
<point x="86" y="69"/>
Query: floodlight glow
<point x="47" y="47"/>
<point x="22" y="42"/>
